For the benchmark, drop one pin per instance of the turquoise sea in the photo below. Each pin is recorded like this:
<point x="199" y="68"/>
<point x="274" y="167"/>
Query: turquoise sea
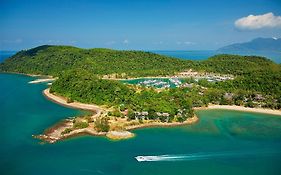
<point x="222" y="142"/>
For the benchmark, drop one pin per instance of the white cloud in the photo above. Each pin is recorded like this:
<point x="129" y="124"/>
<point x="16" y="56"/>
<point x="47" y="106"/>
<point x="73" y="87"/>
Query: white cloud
<point x="253" y="22"/>
<point x="126" y="41"/>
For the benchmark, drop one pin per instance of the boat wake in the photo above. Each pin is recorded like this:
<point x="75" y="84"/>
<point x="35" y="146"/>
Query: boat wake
<point x="201" y="156"/>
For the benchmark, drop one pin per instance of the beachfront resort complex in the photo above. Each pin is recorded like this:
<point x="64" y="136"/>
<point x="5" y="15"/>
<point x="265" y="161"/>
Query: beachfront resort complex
<point x="140" y="87"/>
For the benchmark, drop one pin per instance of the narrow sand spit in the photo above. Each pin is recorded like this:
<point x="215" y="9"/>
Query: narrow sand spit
<point x="242" y="108"/>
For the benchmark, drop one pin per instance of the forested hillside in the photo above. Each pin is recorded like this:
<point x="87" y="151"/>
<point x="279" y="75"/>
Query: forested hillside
<point x="81" y="86"/>
<point x="79" y="72"/>
<point x="237" y="65"/>
<point x="252" y="73"/>
<point x="54" y="60"/>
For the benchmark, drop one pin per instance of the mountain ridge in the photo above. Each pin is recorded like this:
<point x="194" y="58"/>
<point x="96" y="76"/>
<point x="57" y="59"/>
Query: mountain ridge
<point x="255" y="45"/>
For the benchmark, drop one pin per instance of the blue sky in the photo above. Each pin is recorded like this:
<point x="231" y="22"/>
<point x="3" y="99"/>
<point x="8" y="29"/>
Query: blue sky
<point x="136" y="24"/>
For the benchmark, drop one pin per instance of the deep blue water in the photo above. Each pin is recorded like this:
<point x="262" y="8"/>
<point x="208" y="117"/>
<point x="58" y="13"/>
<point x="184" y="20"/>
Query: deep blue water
<point x="222" y="142"/>
<point x="6" y="54"/>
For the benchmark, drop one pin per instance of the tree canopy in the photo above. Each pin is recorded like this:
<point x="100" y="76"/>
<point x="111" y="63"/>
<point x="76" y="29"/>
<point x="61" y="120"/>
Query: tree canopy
<point x="79" y="73"/>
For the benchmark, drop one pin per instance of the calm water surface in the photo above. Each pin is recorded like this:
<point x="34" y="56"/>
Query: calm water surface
<point x="223" y="142"/>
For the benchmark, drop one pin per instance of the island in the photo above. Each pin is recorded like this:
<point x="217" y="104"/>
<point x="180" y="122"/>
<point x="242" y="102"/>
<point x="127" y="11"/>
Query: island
<point x="268" y="47"/>
<point x="125" y="90"/>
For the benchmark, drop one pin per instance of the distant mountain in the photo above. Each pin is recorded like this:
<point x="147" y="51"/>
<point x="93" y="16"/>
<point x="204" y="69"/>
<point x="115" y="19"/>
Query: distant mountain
<point x="258" y="44"/>
<point x="267" y="47"/>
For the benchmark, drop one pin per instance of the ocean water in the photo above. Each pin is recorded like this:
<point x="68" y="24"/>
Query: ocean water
<point x="222" y="142"/>
<point x="6" y="54"/>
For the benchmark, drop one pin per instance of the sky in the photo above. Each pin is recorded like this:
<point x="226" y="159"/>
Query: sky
<point x="137" y="24"/>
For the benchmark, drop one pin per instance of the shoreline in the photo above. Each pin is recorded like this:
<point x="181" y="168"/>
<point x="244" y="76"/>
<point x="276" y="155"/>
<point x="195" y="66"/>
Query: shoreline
<point x="192" y="120"/>
<point x="90" y="107"/>
<point x="53" y="133"/>
<point x="241" y="108"/>
<point x="42" y="80"/>
<point x="29" y="75"/>
<point x="76" y="105"/>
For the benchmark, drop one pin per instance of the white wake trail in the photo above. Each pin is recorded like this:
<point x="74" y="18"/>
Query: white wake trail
<point x="201" y="156"/>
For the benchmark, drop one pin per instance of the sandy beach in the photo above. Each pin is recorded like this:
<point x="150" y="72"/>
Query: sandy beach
<point x="192" y="120"/>
<point x="242" y="108"/>
<point x="54" y="134"/>
<point x="62" y="101"/>
<point x="117" y="135"/>
<point x="91" y="107"/>
<point x="42" y="80"/>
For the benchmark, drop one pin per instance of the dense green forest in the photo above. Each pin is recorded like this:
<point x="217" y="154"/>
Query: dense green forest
<point x="79" y="85"/>
<point x="238" y="65"/>
<point x="54" y="60"/>
<point x="257" y="80"/>
<point x="252" y="73"/>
